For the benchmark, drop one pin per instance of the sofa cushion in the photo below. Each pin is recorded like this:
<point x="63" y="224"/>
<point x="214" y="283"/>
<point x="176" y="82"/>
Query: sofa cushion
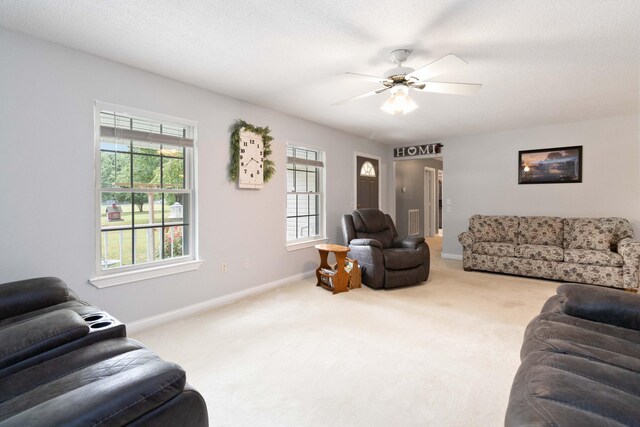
<point x="484" y="262"/>
<point x="620" y="228"/>
<point x="586" y="256"/>
<point x="590" y="233"/>
<point x="527" y="267"/>
<point x="576" y="371"/>
<point x="114" y="391"/>
<point x="494" y="248"/>
<point x="590" y="274"/>
<point x="559" y="332"/>
<point x="500" y="228"/>
<point x="558" y="389"/>
<point x="369" y="221"/>
<point x="543" y="252"/>
<point x="606" y="307"/>
<point x="373" y="224"/>
<point x="403" y="258"/>
<point x="540" y="230"/>
<point x="25" y="296"/>
<point x="33" y="377"/>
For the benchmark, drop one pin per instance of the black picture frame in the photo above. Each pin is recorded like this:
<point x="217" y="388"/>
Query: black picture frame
<point x="561" y="165"/>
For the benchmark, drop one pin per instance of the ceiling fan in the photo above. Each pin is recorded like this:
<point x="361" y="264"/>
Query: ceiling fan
<point x="399" y="80"/>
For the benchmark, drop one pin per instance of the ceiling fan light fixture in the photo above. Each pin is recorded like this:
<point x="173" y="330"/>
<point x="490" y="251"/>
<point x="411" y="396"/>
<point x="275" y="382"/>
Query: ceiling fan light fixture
<point x="399" y="102"/>
<point x="397" y="81"/>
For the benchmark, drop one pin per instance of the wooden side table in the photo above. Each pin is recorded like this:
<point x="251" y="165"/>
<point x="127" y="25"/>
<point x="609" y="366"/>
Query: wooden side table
<point x="334" y="280"/>
<point x="355" y="274"/>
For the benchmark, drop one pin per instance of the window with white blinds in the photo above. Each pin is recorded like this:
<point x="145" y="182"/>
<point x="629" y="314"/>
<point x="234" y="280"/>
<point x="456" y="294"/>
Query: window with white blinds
<point x="305" y="203"/>
<point x="145" y="187"/>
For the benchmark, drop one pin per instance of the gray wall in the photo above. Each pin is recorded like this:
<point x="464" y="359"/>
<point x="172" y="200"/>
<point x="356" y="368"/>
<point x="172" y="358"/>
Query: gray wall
<point x="47" y="185"/>
<point x="482" y="175"/>
<point x="410" y="175"/>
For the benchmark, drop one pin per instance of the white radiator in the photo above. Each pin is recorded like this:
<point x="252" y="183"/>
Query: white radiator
<point x="414" y="221"/>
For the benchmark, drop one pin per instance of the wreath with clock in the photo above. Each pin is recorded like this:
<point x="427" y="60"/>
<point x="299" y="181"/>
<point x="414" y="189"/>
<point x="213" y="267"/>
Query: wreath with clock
<point x="250" y="147"/>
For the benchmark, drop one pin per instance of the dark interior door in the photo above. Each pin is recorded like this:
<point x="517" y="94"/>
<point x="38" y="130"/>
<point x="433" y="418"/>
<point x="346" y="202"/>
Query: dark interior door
<point x="367" y="178"/>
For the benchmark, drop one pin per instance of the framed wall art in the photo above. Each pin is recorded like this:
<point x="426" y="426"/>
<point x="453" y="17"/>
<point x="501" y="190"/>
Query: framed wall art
<point x="550" y="165"/>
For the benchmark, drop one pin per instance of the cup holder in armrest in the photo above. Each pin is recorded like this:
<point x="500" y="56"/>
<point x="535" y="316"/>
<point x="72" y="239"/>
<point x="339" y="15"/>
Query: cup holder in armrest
<point x="100" y="321"/>
<point x="93" y="317"/>
<point x="100" y="325"/>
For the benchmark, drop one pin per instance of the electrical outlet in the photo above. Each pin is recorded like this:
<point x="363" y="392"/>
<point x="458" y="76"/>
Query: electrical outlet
<point x="223" y="268"/>
<point x="246" y="263"/>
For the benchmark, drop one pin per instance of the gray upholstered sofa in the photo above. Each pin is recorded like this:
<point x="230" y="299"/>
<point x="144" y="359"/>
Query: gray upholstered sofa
<point x="599" y="251"/>
<point x="580" y="361"/>
<point x="64" y="362"/>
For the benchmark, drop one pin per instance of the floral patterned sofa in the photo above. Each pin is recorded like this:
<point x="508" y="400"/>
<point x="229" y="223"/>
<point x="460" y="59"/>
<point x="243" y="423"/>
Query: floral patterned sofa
<point x="598" y="251"/>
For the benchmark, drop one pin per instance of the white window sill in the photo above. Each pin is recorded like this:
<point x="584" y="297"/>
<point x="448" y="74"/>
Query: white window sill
<point x="294" y="246"/>
<point x="123" y="278"/>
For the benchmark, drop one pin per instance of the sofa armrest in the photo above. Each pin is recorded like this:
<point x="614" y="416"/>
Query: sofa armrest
<point x="366" y="242"/>
<point x="31" y="337"/>
<point x="33" y="294"/>
<point x="466" y="239"/>
<point x="629" y="249"/>
<point x="407" y="242"/>
<point x="370" y="260"/>
<point x="604" y="305"/>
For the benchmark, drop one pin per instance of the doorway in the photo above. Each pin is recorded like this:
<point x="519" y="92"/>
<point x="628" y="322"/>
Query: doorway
<point x="367" y="182"/>
<point x="417" y="188"/>
<point x="430" y="205"/>
<point x="440" y="176"/>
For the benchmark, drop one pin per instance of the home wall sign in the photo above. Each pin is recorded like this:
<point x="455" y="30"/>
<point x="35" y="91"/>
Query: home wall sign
<point x="417" y="150"/>
<point x="250" y="148"/>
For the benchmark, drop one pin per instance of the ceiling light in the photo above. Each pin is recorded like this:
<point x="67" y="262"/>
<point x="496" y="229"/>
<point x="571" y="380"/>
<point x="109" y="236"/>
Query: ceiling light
<point x="399" y="102"/>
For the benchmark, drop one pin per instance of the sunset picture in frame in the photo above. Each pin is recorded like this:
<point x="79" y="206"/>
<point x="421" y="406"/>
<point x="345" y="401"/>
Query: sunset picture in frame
<point x="550" y="165"/>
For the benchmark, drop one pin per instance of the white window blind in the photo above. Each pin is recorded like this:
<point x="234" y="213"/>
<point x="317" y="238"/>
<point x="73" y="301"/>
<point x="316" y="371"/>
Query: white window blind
<point x="146" y="192"/>
<point x="304" y="193"/>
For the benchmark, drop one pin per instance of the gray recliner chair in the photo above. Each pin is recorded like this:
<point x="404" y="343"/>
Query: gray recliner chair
<point x="386" y="260"/>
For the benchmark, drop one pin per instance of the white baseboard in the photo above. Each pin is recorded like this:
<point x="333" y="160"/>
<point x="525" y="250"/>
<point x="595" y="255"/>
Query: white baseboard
<point x="169" y="316"/>
<point x="451" y="256"/>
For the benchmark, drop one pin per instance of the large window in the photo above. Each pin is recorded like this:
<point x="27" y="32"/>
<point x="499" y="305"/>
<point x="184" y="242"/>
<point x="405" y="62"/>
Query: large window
<point x="145" y="191"/>
<point x="304" y="194"/>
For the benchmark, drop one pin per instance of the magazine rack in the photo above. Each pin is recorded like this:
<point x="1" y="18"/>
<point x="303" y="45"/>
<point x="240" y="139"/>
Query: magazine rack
<point x="343" y="276"/>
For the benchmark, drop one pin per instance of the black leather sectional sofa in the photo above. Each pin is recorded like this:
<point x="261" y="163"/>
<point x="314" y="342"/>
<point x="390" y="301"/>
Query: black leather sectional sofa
<point x="64" y="362"/>
<point x="580" y="361"/>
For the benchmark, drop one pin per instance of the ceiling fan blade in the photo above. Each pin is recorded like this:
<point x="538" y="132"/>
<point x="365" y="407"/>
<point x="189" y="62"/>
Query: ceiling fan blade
<point x="364" y="95"/>
<point x="437" y="67"/>
<point x="451" y="88"/>
<point x="367" y="77"/>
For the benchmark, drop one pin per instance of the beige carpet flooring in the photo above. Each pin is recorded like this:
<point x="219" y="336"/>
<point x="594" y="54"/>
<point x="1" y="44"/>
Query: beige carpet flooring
<point x="440" y="354"/>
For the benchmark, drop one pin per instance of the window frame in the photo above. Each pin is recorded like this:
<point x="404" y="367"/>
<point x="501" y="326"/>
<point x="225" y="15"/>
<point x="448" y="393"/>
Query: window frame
<point x="366" y="173"/>
<point x="321" y="236"/>
<point x="136" y="272"/>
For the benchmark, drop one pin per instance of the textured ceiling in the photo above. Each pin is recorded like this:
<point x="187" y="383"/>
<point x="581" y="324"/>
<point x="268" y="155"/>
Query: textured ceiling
<point x="540" y="61"/>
